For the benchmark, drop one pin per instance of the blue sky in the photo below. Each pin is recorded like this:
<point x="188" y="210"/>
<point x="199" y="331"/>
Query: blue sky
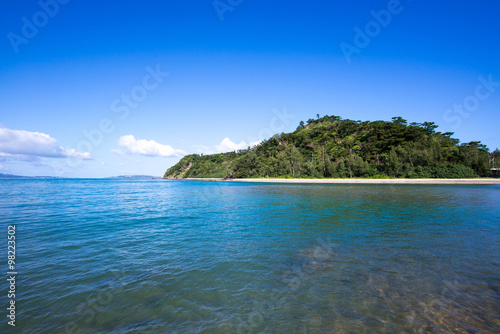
<point x="149" y="81"/>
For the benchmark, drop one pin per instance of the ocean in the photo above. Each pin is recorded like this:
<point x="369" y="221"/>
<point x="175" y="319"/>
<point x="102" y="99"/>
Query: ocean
<point x="166" y="256"/>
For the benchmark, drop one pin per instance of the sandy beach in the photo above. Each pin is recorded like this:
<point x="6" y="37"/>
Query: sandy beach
<point x="364" y="181"/>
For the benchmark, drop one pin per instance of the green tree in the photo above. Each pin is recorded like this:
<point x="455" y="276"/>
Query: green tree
<point x="330" y="146"/>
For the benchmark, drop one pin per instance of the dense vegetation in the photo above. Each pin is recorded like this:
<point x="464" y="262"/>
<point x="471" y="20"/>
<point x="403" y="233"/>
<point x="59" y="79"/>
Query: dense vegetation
<point x="332" y="147"/>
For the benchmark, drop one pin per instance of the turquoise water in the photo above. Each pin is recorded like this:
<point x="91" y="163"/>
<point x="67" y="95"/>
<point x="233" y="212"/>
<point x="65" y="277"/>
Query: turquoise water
<point x="122" y="256"/>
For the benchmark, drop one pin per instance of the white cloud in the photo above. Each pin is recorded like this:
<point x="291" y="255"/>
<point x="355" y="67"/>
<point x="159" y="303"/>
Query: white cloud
<point x="204" y="149"/>
<point x="19" y="157"/>
<point x="72" y="153"/>
<point x="255" y="143"/>
<point x="117" y="152"/>
<point x="226" y="145"/>
<point x="25" y="143"/>
<point x="149" y="148"/>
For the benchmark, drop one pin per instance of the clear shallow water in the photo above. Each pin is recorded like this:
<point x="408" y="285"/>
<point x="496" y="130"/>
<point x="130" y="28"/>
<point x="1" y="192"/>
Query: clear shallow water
<point x="121" y="256"/>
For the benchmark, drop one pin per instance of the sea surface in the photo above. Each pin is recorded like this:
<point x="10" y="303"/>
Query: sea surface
<point x="158" y="256"/>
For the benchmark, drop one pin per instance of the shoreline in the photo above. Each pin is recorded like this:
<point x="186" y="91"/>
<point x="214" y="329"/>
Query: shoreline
<point x="359" y="181"/>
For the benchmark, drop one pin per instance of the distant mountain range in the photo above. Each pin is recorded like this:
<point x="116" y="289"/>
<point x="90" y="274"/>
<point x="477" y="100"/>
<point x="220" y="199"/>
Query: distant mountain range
<point x="11" y="176"/>
<point x="135" y="177"/>
<point x="140" y="177"/>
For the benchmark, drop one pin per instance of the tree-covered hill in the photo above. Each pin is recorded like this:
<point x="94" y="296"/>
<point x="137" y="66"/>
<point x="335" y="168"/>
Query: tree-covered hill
<point x="332" y="147"/>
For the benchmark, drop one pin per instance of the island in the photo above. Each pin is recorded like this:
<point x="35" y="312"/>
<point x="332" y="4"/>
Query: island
<point x="330" y="147"/>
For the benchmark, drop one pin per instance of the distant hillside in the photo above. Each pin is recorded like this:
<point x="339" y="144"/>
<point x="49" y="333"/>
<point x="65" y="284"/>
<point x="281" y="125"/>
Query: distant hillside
<point x="139" y="177"/>
<point x="332" y="147"/>
<point x="10" y="176"/>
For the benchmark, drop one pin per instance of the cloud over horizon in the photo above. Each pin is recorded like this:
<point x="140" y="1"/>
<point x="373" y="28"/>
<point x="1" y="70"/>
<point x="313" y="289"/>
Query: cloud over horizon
<point x="149" y="148"/>
<point x="22" y="143"/>
<point x="227" y="145"/>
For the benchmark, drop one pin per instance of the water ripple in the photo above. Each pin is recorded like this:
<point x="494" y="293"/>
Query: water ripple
<point x="113" y="256"/>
